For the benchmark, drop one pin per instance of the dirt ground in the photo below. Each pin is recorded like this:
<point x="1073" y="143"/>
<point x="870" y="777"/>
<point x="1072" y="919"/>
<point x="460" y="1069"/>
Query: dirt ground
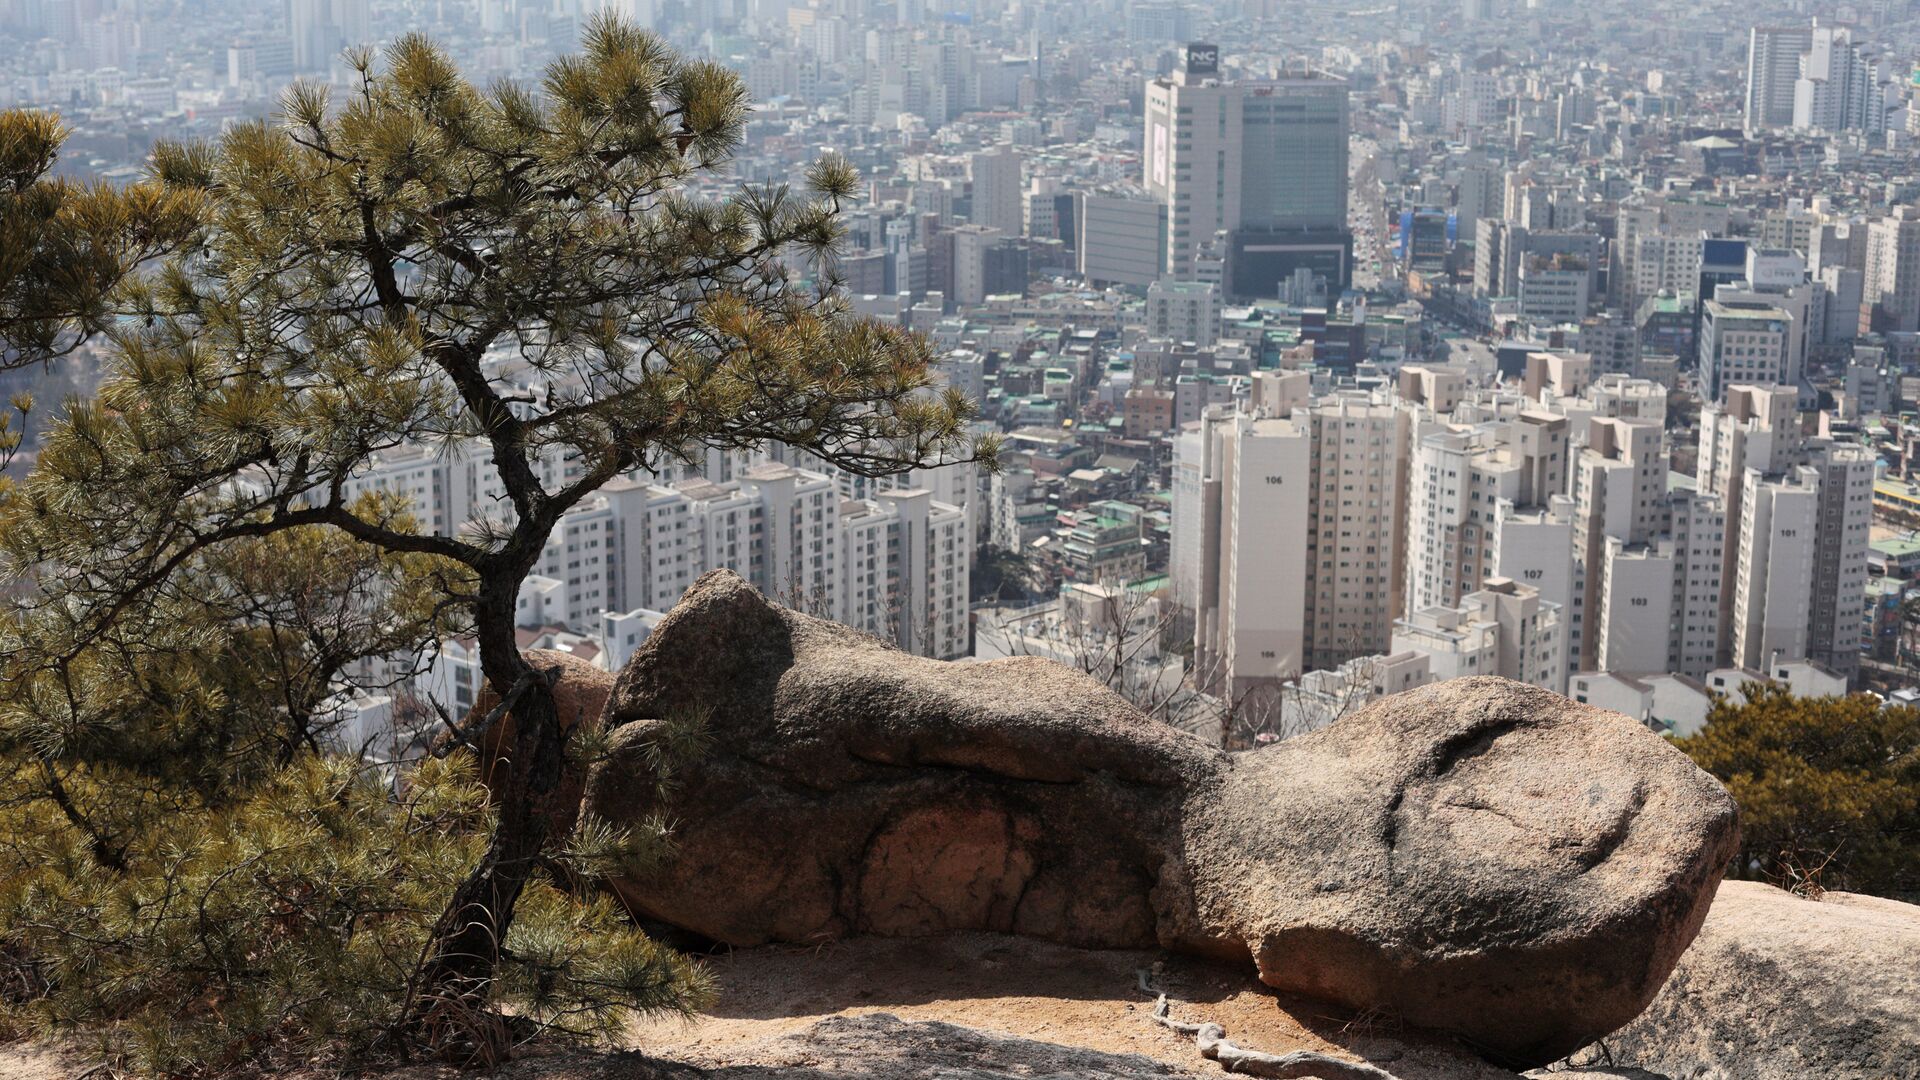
<point x="1028" y="989"/>
<point x="1010" y="986"/>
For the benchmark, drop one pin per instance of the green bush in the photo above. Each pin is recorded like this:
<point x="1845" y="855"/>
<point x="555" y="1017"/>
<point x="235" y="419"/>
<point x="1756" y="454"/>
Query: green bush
<point x="1828" y="788"/>
<point x="288" y="926"/>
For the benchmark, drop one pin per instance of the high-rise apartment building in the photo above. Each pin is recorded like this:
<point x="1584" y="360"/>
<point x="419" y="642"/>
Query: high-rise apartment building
<point x="1839" y="86"/>
<point x="1251" y="543"/>
<point x="895" y="563"/>
<point x="1653" y="604"/>
<point x="1357" y="514"/>
<point x="1891" y="281"/>
<point x="1754" y="427"/>
<point x="1617" y="482"/>
<point x="1504" y="629"/>
<point x="1799" y="509"/>
<point x="1289" y="530"/>
<point x="1464" y="483"/>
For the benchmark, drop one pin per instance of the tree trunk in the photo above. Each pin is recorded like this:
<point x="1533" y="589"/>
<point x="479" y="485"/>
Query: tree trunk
<point x="456" y="978"/>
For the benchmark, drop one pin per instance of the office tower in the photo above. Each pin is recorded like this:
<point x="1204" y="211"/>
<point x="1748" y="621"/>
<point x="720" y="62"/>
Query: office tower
<point x="321" y="28"/>
<point x="1839" y="87"/>
<point x="1159" y="23"/>
<point x="1122" y="237"/>
<point x="1613" y="342"/>
<point x="1742" y="341"/>
<point x="1791" y="228"/>
<point x="1047" y="210"/>
<point x="1773" y="67"/>
<point x="998" y="190"/>
<point x="1555" y="289"/>
<point x="1660" y="245"/>
<point x="1264" y="162"/>
<point x="1891" y="280"/>
<point x="972" y="247"/>
<point x="1778" y="278"/>
<point x="1476" y="195"/>
<point x="1665" y="262"/>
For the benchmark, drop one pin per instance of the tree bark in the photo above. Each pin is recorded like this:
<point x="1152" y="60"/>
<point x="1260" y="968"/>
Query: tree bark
<point x="455" y="980"/>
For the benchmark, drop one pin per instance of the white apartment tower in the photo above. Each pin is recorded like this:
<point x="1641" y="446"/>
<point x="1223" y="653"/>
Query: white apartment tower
<point x="1799" y="509"/>
<point x="1617" y="483"/>
<point x="1357" y="512"/>
<point x="1460" y="479"/>
<point x="1294" y="560"/>
<point x="1839" y="86"/>
<point x="1251" y="626"/>
<point x="1505" y="629"/>
<point x="1891" y="281"/>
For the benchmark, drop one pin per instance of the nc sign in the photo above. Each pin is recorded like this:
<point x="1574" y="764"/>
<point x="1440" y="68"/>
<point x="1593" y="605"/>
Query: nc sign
<point x="1203" y="59"/>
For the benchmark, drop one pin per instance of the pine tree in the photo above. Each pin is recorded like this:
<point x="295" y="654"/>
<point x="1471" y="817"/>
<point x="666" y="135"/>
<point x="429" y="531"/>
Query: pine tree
<point x="64" y="246"/>
<point x="553" y="274"/>
<point x="1828" y="788"/>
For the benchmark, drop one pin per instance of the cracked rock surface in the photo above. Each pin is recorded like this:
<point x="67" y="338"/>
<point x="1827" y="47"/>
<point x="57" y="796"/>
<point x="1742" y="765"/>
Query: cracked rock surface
<point x="1480" y="857"/>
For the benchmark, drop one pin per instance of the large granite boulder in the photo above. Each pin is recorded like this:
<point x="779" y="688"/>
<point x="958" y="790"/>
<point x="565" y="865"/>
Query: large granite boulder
<point x="1477" y="856"/>
<point x="1777" y="987"/>
<point x="852" y="788"/>
<point x="1482" y="857"/>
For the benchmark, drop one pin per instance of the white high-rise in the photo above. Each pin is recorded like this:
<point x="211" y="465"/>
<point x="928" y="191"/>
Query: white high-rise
<point x="999" y="190"/>
<point x="1773" y="66"/>
<point x="1618" y="479"/>
<point x="1799" y="509"/>
<point x="321" y="28"/>
<point x="1743" y="341"/>
<point x="1891" y="280"/>
<point x="1294" y="560"/>
<point x="1839" y="86"/>
<point x="1459" y="480"/>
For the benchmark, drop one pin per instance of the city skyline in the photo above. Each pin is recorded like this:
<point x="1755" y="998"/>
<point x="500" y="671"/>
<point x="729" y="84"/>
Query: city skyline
<point x="1405" y="352"/>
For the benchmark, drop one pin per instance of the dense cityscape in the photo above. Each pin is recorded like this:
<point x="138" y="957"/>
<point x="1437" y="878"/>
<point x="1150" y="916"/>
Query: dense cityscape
<point x="1335" y="351"/>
